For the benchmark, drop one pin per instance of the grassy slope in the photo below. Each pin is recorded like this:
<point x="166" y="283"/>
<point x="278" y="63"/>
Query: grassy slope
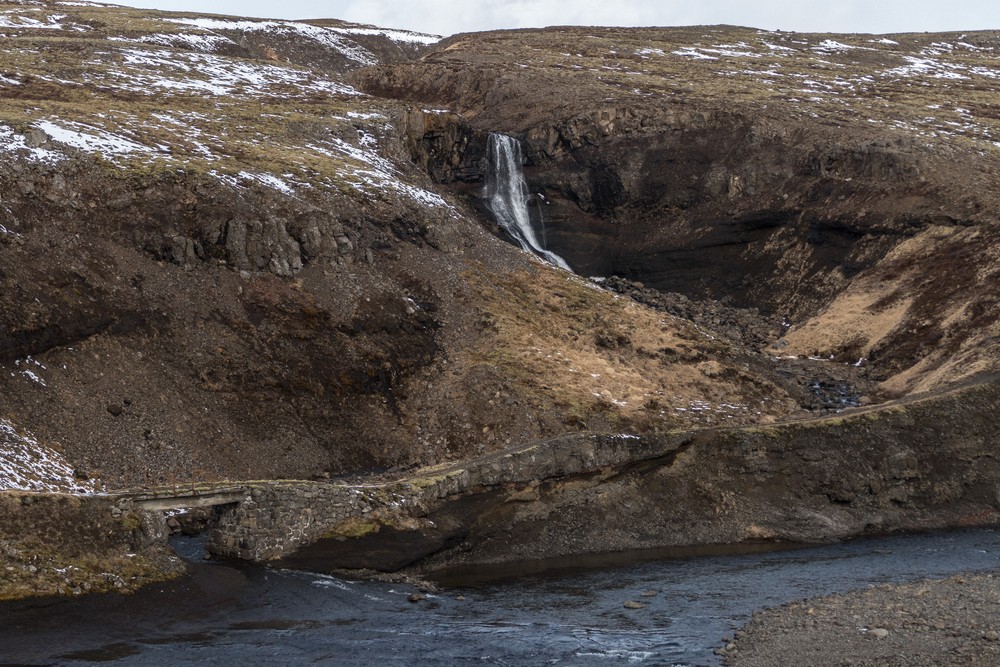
<point x="930" y="86"/>
<point x="182" y="97"/>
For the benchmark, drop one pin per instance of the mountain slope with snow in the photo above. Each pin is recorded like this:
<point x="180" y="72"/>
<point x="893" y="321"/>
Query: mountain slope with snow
<point x="231" y="263"/>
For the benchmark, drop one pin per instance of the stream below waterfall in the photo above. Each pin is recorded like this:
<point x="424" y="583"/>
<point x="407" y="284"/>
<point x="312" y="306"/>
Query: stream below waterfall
<point x="565" y="613"/>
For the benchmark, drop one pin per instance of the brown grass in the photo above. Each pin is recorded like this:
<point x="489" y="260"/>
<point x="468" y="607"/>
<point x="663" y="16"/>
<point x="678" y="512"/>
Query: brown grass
<point x="588" y="352"/>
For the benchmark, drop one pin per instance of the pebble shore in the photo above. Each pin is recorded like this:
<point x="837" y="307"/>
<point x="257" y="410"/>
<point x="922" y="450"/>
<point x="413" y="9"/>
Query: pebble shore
<point x="954" y="621"/>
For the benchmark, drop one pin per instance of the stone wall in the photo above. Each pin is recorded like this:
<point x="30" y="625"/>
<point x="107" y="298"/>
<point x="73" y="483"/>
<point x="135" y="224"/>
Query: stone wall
<point x="276" y="519"/>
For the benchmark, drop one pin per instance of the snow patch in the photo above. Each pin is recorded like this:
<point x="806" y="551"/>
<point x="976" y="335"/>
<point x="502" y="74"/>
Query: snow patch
<point x="190" y="132"/>
<point x="828" y="45"/>
<point x="270" y="180"/>
<point x="395" y="35"/>
<point x="985" y="72"/>
<point x="27" y="465"/>
<point x="372" y="171"/>
<point x="93" y="140"/>
<point x="326" y="36"/>
<point x="737" y="50"/>
<point x="778" y="47"/>
<point x="192" y="41"/>
<point x="12" y="142"/>
<point x="28" y="372"/>
<point x="360" y="115"/>
<point x="21" y="22"/>
<point x="204" y="73"/>
<point x="691" y="52"/>
<point x="926" y="67"/>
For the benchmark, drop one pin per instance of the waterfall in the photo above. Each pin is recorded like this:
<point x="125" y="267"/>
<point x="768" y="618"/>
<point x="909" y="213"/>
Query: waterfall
<point x="507" y="196"/>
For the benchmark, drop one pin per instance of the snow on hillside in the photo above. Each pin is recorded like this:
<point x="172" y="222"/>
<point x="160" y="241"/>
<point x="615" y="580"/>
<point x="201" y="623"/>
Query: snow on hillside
<point x="368" y="171"/>
<point x="394" y="35"/>
<point x="192" y="104"/>
<point x="326" y="35"/>
<point x="13" y="143"/>
<point x="886" y="80"/>
<point x="92" y="139"/>
<point x="27" y="465"/>
<point x="184" y="40"/>
<point x="323" y="36"/>
<point x="168" y="90"/>
<point x="154" y="71"/>
<point x="18" y="20"/>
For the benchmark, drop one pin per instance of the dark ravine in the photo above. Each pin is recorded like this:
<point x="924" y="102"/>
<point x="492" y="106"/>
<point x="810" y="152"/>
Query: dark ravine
<point x="707" y="203"/>
<point x="753" y="201"/>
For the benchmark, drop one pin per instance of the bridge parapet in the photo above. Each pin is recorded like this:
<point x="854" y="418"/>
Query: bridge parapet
<point x="166" y="498"/>
<point x="276" y="518"/>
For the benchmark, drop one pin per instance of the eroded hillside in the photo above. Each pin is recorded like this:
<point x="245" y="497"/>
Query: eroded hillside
<point x="221" y="259"/>
<point x="846" y="182"/>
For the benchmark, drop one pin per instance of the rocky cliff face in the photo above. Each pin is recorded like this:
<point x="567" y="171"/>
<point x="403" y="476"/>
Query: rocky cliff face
<point x="776" y="170"/>
<point x="252" y="249"/>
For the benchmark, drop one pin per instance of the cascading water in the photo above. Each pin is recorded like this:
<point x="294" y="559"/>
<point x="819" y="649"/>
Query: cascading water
<point x="507" y="196"/>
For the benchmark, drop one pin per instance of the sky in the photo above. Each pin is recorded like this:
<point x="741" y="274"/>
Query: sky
<point x="447" y="17"/>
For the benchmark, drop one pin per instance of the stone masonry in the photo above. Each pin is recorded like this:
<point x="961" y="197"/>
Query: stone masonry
<point x="274" y="519"/>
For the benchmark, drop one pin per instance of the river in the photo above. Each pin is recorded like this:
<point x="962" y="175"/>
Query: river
<point x="556" y="613"/>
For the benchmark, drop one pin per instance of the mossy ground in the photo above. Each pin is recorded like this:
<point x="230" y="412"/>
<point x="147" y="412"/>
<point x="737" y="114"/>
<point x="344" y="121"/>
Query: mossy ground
<point x="37" y="570"/>
<point x="352" y="529"/>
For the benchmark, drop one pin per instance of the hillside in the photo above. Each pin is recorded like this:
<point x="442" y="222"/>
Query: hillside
<point x="247" y="249"/>
<point x="219" y="260"/>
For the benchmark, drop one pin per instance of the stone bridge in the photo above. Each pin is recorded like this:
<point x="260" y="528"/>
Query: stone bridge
<point x="265" y="521"/>
<point x="919" y="464"/>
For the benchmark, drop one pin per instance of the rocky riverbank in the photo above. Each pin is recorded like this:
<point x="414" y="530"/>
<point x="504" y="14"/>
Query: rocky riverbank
<point x="954" y="621"/>
<point x="58" y="544"/>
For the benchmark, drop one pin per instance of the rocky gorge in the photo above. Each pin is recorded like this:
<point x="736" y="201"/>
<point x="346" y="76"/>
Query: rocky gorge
<point x="237" y="249"/>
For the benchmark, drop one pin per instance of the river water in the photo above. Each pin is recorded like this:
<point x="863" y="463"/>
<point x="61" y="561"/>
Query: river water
<point x="565" y="613"/>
